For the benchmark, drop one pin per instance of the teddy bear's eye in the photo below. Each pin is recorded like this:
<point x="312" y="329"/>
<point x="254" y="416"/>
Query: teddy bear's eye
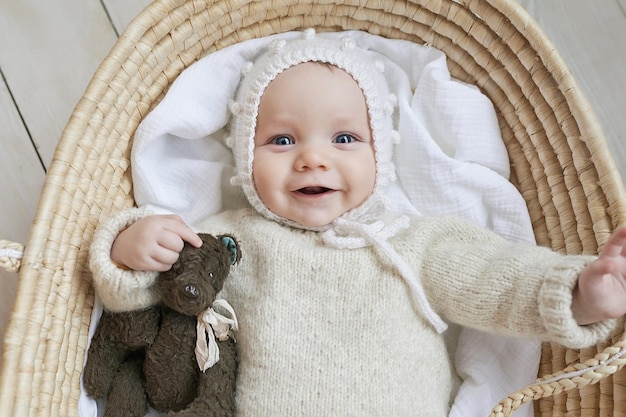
<point x="192" y="291"/>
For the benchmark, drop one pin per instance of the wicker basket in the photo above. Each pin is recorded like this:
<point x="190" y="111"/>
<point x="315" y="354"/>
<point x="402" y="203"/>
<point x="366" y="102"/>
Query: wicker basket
<point x="560" y="163"/>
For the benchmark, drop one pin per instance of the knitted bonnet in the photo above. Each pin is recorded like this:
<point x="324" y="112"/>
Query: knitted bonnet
<point x="309" y="47"/>
<point x="370" y="223"/>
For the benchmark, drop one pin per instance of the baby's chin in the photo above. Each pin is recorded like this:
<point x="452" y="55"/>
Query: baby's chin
<point x="314" y="222"/>
<point x="311" y="224"/>
<point x="316" y="219"/>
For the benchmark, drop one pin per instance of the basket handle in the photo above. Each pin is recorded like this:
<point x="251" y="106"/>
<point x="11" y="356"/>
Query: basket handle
<point x="11" y="254"/>
<point x="578" y="375"/>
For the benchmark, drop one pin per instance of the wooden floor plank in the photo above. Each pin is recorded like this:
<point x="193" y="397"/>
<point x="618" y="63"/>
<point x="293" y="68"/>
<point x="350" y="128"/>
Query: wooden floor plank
<point x="48" y="53"/>
<point x="591" y="38"/>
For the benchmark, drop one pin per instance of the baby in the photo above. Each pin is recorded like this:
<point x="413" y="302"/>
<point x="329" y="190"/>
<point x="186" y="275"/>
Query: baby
<point x="342" y="303"/>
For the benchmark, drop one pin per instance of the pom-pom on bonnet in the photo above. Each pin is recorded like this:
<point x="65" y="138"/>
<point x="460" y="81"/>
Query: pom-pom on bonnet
<point x="309" y="47"/>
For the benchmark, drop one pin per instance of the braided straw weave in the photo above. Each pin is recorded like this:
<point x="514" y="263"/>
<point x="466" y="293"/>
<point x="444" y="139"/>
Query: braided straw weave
<point x="560" y="163"/>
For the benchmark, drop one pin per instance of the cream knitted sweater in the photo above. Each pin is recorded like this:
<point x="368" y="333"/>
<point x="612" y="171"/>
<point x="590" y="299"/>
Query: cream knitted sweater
<point x="329" y="332"/>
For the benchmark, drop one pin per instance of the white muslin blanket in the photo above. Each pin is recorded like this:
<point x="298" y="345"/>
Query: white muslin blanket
<point x="450" y="160"/>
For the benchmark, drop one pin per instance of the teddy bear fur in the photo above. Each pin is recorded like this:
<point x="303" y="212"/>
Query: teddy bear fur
<point x="146" y="357"/>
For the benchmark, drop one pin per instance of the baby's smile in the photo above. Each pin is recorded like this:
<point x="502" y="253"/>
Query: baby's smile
<point x="314" y="190"/>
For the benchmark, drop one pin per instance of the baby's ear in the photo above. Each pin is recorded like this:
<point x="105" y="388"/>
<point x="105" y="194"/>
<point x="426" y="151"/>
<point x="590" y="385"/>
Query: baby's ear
<point x="233" y="248"/>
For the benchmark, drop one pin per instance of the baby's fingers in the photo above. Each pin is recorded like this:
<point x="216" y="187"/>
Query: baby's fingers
<point x="162" y="260"/>
<point x="190" y="236"/>
<point x="180" y="228"/>
<point x="616" y="245"/>
<point x="602" y="269"/>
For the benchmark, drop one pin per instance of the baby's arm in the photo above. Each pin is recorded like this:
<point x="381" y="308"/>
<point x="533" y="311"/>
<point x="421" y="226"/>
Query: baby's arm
<point x="600" y="293"/>
<point x="118" y="285"/>
<point x="475" y="278"/>
<point x="152" y="243"/>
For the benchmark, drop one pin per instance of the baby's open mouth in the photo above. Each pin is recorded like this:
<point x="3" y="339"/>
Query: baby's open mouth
<point x="314" y="190"/>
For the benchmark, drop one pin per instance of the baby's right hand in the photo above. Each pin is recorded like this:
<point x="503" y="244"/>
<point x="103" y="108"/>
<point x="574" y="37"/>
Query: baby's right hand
<point x="152" y="243"/>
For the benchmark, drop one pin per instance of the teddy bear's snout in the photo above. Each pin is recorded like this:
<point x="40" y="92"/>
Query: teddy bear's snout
<point x="191" y="291"/>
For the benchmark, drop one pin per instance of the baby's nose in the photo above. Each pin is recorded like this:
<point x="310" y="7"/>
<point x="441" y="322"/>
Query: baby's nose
<point x="312" y="157"/>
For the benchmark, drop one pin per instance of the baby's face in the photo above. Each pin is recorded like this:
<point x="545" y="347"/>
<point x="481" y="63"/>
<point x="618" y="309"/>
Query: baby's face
<point x="313" y="156"/>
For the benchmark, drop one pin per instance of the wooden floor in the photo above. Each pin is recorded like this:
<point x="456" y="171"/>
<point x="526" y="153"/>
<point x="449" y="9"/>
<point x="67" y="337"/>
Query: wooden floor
<point x="50" y="49"/>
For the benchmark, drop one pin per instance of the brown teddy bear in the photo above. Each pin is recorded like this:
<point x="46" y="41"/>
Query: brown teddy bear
<point x="160" y="356"/>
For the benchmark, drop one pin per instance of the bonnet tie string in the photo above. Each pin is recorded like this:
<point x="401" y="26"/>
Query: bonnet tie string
<point x="347" y="234"/>
<point x="212" y="325"/>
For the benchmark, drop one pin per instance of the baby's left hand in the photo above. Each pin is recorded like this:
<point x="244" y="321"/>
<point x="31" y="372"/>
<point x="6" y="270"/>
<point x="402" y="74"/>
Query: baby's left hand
<point x="601" y="290"/>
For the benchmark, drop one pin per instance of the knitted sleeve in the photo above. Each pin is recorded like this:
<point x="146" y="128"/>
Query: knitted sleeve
<point x="477" y="279"/>
<point x="119" y="289"/>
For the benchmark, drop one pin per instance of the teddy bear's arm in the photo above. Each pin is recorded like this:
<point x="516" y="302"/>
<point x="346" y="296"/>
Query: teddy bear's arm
<point x="136" y="329"/>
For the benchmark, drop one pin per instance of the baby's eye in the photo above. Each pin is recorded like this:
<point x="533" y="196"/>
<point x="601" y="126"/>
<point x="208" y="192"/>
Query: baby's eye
<point x="282" y="140"/>
<point x="344" y="138"/>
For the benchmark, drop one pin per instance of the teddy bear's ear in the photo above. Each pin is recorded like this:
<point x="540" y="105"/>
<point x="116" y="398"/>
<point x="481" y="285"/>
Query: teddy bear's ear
<point x="233" y="248"/>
